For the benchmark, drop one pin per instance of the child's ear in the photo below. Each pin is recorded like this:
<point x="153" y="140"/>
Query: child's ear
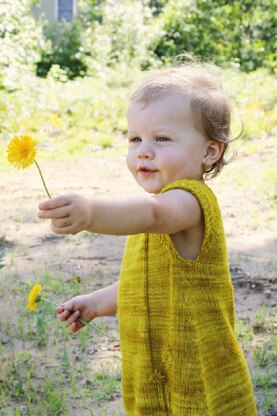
<point x="214" y="150"/>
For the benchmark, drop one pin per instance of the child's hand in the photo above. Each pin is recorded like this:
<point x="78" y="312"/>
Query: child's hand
<point x="69" y="213"/>
<point x="82" y="306"/>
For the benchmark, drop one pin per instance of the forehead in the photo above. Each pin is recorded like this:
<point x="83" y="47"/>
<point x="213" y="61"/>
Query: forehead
<point x="169" y="107"/>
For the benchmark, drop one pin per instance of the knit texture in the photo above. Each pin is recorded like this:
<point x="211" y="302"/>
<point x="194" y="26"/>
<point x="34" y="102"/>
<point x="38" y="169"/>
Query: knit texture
<point x="180" y="355"/>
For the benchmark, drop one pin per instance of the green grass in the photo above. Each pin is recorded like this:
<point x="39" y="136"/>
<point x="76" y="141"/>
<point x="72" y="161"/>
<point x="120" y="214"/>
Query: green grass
<point x="45" y="365"/>
<point x="259" y="342"/>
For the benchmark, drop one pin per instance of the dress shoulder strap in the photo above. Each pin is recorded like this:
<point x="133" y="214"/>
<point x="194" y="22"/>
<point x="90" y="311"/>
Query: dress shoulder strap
<point x="209" y="205"/>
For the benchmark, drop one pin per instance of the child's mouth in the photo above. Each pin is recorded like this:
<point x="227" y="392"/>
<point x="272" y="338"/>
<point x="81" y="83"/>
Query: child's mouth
<point x="146" y="172"/>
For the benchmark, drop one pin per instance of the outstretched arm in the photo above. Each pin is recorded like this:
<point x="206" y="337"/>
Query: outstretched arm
<point x="170" y="212"/>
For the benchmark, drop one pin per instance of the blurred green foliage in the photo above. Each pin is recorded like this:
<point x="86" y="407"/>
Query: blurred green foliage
<point x="241" y="32"/>
<point x="136" y="33"/>
<point x="66" y="50"/>
<point x="104" y="33"/>
<point x="20" y="41"/>
<point x="150" y="32"/>
<point x="90" y="10"/>
<point x="89" y="65"/>
<point x="65" y="118"/>
<point x="86" y="113"/>
<point x="119" y="33"/>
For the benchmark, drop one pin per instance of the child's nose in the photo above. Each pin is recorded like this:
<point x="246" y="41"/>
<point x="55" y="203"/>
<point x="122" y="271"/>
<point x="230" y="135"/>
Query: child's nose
<point x="145" y="152"/>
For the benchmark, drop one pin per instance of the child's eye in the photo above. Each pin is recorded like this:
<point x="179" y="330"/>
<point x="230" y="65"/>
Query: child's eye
<point x="162" y="139"/>
<point x="134" y="139"/>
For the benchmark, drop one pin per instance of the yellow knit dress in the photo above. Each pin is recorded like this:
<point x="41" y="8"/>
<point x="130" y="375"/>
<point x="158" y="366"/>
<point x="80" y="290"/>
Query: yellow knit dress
<point x="180" y="355"/>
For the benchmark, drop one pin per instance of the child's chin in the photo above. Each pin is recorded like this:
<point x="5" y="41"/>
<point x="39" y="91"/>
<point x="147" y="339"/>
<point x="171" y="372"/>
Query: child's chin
<point x="151" y="189"/>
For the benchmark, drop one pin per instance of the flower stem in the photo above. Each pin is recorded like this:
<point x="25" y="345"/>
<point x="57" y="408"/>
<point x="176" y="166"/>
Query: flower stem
<point x="48" y="301"/>
<point x="95" y="327"/>
<point x="44" y="184"/>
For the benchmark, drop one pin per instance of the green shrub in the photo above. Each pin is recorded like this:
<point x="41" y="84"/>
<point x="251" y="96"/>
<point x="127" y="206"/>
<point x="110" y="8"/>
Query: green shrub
<point x="220" y="31"/>
<point x="105" y="33"/>
<point x="65" y="50"/>
<point x="20" y="39"/>
<point x="120" y="35"/>
<point x="90" y="11"/>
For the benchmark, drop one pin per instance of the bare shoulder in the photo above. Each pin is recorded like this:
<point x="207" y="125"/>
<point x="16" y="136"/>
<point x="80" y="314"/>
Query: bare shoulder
<point x="176" y="210"/>
<point x="188" y="239"/>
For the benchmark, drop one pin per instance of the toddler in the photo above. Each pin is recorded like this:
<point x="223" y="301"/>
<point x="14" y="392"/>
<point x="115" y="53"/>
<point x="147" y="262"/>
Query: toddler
<point x="174" y="298"/>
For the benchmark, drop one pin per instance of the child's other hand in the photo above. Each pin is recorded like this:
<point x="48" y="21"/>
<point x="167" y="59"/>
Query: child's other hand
<point x="81" y="306"/>
<point x="69" y="213"/>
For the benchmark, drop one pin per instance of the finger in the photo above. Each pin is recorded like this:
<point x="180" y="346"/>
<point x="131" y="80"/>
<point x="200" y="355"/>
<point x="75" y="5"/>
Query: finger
<point x="60" y="212"/>
<point x="63" y="316"/>
<point x="73" y="317"/>
<point x="65" y="309"/>
<point x="63" y="230"/>
<point x="58" y="201"/>
<point x="75" y="326"/>
<point x="60" y="309"/>
<point x="62" y="222"/>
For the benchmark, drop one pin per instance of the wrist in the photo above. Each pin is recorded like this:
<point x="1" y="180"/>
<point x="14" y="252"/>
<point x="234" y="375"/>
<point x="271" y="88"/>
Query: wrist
<point x="87" y="208"/>
<point x="105" y="300"/>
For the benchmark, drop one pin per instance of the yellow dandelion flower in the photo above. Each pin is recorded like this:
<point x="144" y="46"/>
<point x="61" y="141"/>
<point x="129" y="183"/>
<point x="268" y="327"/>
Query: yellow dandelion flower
<point x="34" y="297"/>
<point x="22" y="151"/>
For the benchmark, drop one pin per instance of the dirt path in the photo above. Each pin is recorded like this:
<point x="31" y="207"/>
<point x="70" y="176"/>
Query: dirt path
<point x="252" y="250"/>
<point x="31" y="248"/>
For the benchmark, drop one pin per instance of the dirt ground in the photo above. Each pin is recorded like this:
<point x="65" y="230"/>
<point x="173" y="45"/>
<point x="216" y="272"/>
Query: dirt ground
<point x="30" y="247"/>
